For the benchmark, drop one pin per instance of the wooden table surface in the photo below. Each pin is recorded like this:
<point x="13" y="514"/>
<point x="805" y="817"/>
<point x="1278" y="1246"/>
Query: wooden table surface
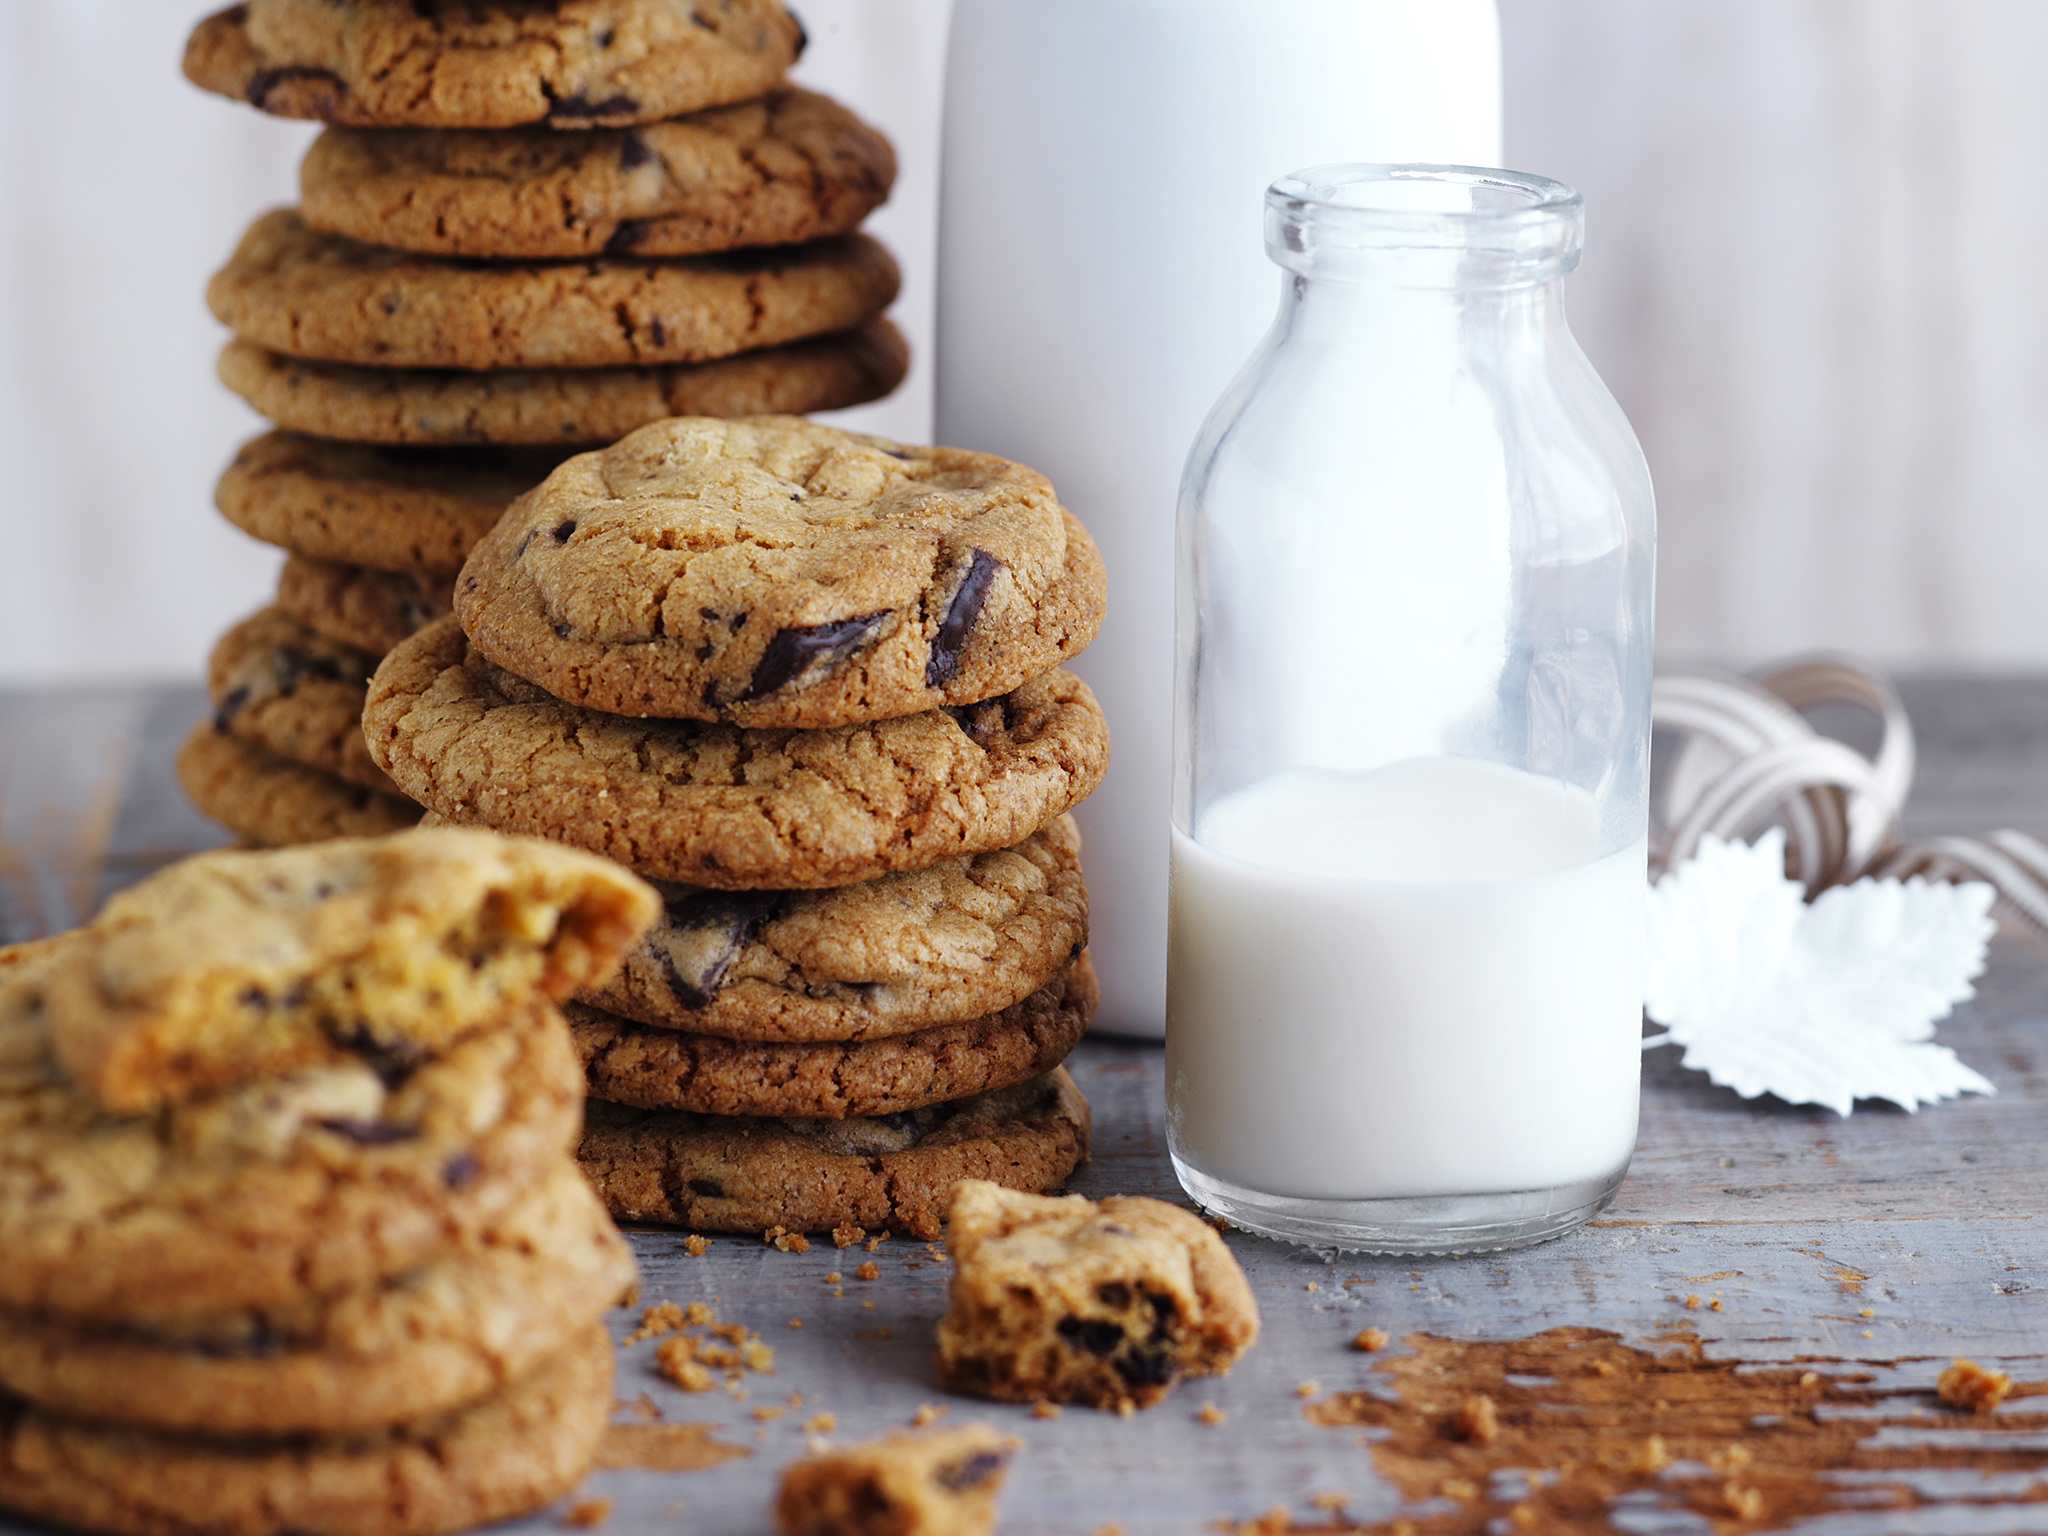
<point x="1834" y="1266"/>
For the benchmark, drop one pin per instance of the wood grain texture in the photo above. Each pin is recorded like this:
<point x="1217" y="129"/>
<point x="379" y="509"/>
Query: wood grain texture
<point x="1794" y="1219"/>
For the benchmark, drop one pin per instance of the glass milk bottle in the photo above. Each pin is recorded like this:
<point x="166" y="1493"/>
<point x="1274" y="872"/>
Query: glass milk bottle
<point x="1411" y="755"/>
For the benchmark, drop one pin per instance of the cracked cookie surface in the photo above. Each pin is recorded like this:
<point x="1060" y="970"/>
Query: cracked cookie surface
<point x="418" y="510"/>
<point x="359" y="606"/>
<point x="508" y="1454"/>
<point x="255" y="1196"/>
<point x="504" y="1297"/>
<point x="789" y="167"/>
<point x="272" y="802"/>
<point x="280" y="685"/>
<point x="311" y="295"/>
<point x="628" y="1063"/>
<point x="1067" y="1300"/>
<point x="966" y="937"/>
<point x="559" y="406"/>
<point x="775" y="572"/>
<point x="475" y="64"/>
<point x="723" y="1173"/>
<point x="718" y="805"/>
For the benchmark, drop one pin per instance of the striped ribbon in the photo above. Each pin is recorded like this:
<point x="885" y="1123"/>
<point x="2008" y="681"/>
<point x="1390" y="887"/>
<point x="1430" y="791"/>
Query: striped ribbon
<point x="1748" y="756"/>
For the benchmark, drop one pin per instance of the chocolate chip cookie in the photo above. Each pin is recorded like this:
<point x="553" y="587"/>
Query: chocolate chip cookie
<point x="788" y="167"/>
<point x="939" y="1484"/>
<point x="1070" y="1301"/>
<point x="256" y="1196"/>
<point x="629" y="1063"/>
<point x="273" y="802"/>
<point x="966" y="937"/>
<point x="356" y="606"/>
<point x="718" y="805"/>
<point x="475" y="64"/>
<point x="233" y="966"/>
<point x="278" y="684"/>
<point x="511" y="1453"/>
<point x="312" y="295"/>
<point x="505" y="1297"/>
<point x="775" y="572"/>
<point x="721" y="1173"/>
<point x="561" y="406"/>
<point x="413" y="510"/>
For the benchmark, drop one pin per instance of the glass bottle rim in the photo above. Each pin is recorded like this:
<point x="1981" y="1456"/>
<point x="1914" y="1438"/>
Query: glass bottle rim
<point x="1522" y="227"/>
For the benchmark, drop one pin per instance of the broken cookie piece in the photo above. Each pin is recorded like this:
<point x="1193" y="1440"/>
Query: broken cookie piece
<point x="1066" y="1300"/>
<point x="941" y="1484"/>
<point x="235" y="966"/>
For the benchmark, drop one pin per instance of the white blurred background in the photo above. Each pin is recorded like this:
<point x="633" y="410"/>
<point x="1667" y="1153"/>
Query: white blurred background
<point x="1815" y="231"/>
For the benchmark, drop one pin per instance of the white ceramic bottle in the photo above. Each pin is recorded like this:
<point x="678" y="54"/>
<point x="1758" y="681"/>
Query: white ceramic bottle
<point x="1101" y="280"/>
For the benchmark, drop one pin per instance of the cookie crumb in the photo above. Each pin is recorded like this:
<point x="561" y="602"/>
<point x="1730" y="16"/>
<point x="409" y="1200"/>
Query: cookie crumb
<point x="1870" y="1333"/>
<point x="838" y="1290"/>
<point x="1868" y="1312"/>
<point x="759" y="1357"/>
<point x="1968" y="1386"/>
<point x="820" y="1424"/>
<point x="868" y="1271"/>
<point x="1312" y="1285"/>
<point x="786" y="1241"/>
<point x="846" y="1236"/>
<point x="1714" y="1305"/>
<point x="1125" y="1407"/>
<point x="662" y="1317"/>
<point x="1476" y="1420"/>
<point x="1692" y="1302"/>
<point x="1045" y="1410"/>
<point x="675" y="1359"/>
<point x="698" y="1315"/>
<point x="868" y="1305"/>
<point x="796" y="1322"/>
<point x="876" y="1241"/>
<point x="925" y="1414"/>
<point x="1333" y="1500"/>
<point x="1211" y="1414"/>
<point x="833" y="1277"/>
<point x="696" y="1247"/>
<point x="766" y="1412"/>
<point x="587" y="1514"/>
<point x="1370" y="1339"/>
<point x="1307" y="1388"/>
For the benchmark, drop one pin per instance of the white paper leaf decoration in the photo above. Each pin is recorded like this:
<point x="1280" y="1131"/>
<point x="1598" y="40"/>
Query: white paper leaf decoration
<point x="1819" y="1004"/>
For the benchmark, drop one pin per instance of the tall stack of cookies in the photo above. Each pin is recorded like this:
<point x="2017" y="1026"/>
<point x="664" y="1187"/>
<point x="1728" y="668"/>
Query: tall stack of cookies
<point x="809" y="683"/>
<point x="290" y="1235"/>
<point x="532" y="226"/>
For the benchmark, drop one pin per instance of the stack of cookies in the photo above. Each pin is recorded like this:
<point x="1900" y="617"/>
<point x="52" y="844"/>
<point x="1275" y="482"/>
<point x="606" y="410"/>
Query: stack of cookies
<point x="808" y="682"/>
<point x="533" y="226"/>
<point x="290" y="1239"/>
